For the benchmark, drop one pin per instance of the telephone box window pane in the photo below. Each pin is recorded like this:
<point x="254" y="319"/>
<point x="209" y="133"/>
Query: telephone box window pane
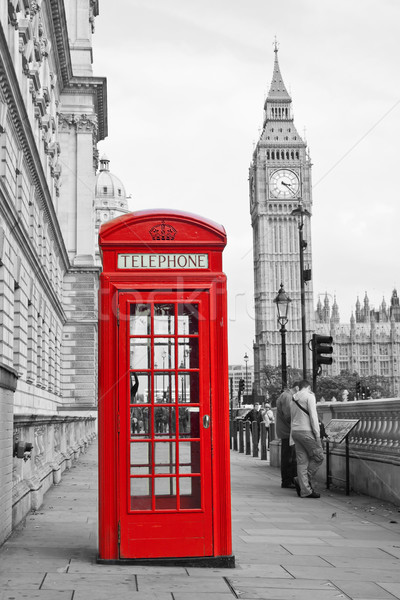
<point x="141" y="456"/>
<point x="140" y="388"/>
<point x="140" y="421"/>
<point x="188" y="390"/>
<point x="164" y="353"/>
<point x="184" y="421"/>
<point x="141" y="493"/>
<point x="189" y="457"/>
<point x="140" y="354"/>
<point x="188" y="321"/>
<point x="188" y="353"/>
<point x="165" y="493"/>
<point x="140" y="319"/>
<point x="164" y="319"/>
<point x="164" y="387"/>
<point x="190" y="492"/>
<point x="164" y="421"/>
<point x="165" y="457"/>
<point x="192" y="428"/>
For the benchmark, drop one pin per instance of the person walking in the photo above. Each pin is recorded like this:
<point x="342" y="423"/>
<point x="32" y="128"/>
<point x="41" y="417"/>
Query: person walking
<point x="305" y="432"/>
<point x="282" y="428"/>
<point x="267" y="418"/>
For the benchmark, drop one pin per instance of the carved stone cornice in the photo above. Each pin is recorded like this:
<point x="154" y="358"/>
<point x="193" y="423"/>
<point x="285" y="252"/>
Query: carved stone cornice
<point x="63" y="54"/>
<point x="97" y="86"/>
<point x="11" y="91"/>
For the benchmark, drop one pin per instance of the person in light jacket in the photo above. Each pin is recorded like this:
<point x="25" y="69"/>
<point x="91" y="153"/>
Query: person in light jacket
<point x="305" y="432"/>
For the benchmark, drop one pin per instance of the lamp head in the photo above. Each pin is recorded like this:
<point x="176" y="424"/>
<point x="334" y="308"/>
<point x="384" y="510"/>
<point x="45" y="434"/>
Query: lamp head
<point x="282" y="302"/>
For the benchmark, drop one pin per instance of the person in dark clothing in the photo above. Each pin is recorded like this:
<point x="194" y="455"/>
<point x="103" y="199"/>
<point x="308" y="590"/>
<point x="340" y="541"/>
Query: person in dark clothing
<point x="255" y="414"/>
<point x="282" y="425"/>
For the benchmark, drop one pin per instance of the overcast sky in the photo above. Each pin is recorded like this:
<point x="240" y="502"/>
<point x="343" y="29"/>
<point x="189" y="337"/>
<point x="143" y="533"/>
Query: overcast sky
<point x="186" y="86"/>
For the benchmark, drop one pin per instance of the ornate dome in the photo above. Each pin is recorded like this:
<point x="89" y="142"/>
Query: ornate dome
<point x="109" y="198"/>
<point x="109" y="190"/>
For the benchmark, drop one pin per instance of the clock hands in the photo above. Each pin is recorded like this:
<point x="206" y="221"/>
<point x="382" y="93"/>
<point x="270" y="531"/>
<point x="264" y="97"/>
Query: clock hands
<point x="288" y="185"/>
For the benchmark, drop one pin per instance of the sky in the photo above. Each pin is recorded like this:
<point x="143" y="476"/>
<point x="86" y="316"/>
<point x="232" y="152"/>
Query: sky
<point x="186" y="83"/>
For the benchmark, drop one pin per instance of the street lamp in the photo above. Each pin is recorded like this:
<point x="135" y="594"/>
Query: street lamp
<point x="301" y="212"/>
<point x="246" y="358"/>
<point x="282" y="303"/>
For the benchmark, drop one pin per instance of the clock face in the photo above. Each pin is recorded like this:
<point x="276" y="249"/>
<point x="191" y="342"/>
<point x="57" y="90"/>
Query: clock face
<point x="284" y="184"/>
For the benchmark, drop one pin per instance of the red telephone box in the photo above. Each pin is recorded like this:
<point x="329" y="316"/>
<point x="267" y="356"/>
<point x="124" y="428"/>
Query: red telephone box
<point x="164" y="476"/>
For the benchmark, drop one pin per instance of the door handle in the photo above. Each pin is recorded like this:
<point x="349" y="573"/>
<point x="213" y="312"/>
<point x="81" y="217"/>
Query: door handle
<point x="206" y="421"/>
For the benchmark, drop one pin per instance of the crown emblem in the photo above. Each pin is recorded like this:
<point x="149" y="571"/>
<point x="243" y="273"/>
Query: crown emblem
<point x="163" y="232"/>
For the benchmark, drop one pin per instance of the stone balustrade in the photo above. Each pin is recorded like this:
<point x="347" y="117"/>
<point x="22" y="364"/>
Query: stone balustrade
<point x="57" y="441"/>
<point x="378" y="431"/>
<point x="374" y="446"/>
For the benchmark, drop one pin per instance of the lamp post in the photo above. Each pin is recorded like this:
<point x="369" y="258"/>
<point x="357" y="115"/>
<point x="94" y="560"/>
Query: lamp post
<point x="301" y="212"/>
<point x="282" y="302"/>
<point x="246" y="358"/>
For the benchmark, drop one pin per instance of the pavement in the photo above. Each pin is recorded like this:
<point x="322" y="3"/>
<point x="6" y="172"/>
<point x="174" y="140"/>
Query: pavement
<point x="286" y="548"/>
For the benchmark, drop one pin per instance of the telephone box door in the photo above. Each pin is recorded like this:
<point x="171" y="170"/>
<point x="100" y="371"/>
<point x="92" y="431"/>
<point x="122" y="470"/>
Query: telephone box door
<point x="164" y="447"/>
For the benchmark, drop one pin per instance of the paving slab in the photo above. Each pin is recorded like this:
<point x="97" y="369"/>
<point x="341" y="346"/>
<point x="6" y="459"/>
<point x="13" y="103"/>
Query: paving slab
<point x="18" y="581"/>
<point x="326" y="551"/>
<point x="72" y="581"/>
<point x="106" y="594"/>
<point x="345" y="574"/>
<point x="387" y="562"/>
<point x="365" y="590"/>
<point x="36" y="595"/>
<point x="323" y="533"/>
<point x="188" y="584"/>
<point x="392" y="588"/>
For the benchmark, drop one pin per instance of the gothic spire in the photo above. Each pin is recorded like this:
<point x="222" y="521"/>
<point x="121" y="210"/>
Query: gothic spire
<point x="277" y="90"/>
<point x="278" y="103"/>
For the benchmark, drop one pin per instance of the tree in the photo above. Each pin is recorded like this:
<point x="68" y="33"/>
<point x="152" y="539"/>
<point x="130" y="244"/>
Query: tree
<point x="273" y="381"/>
<point x="333" y="386"/>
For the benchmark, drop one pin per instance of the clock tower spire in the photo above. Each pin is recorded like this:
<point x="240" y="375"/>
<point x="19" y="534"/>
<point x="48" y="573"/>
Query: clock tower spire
<point x="280" y="182"/>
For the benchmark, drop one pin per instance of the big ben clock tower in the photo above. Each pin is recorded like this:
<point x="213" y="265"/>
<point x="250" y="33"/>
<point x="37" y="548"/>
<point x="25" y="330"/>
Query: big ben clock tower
<point x="280" y="182"/>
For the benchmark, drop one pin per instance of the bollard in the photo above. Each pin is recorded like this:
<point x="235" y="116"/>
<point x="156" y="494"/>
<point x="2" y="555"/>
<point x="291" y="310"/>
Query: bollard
<point x="271" y="433"/>
<point x="241" y="436"/>
<point x="248" y="437"/>
<point x="254" y="435"/>
<point x="263" y="439"/>
<point x="235" y="432"/>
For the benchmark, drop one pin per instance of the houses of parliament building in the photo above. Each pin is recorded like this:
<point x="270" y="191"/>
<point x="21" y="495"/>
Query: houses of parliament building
<point x="280" y="183"/>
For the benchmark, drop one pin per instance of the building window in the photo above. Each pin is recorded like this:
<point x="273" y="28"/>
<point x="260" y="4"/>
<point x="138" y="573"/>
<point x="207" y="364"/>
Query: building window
<point x="364" y="350"/>
<point x="364" y="368"/>
<point x="119" y="192"/>
<point x="385" y="367"/>
<point x="105" y="190"/>
<point x="384" y="349"/>
<point x="343" y="365"/>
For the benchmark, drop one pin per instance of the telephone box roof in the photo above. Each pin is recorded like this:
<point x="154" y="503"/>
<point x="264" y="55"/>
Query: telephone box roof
<point x="160" y="225"/>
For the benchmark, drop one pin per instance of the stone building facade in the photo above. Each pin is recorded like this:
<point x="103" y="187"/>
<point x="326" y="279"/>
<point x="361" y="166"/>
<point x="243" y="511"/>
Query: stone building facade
<point x="369" y="344"/>
<point x="52" y="114"/>
<point x="280" y="182"/>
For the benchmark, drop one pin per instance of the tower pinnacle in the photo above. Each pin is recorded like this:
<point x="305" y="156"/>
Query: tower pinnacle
<point x="277" y="90"/>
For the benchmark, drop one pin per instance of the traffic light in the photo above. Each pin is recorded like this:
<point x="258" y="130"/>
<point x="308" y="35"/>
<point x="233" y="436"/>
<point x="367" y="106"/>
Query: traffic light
<point x="241" y="386"/>
<point x="320" y="346"/>
<point x="358" y="389"/>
